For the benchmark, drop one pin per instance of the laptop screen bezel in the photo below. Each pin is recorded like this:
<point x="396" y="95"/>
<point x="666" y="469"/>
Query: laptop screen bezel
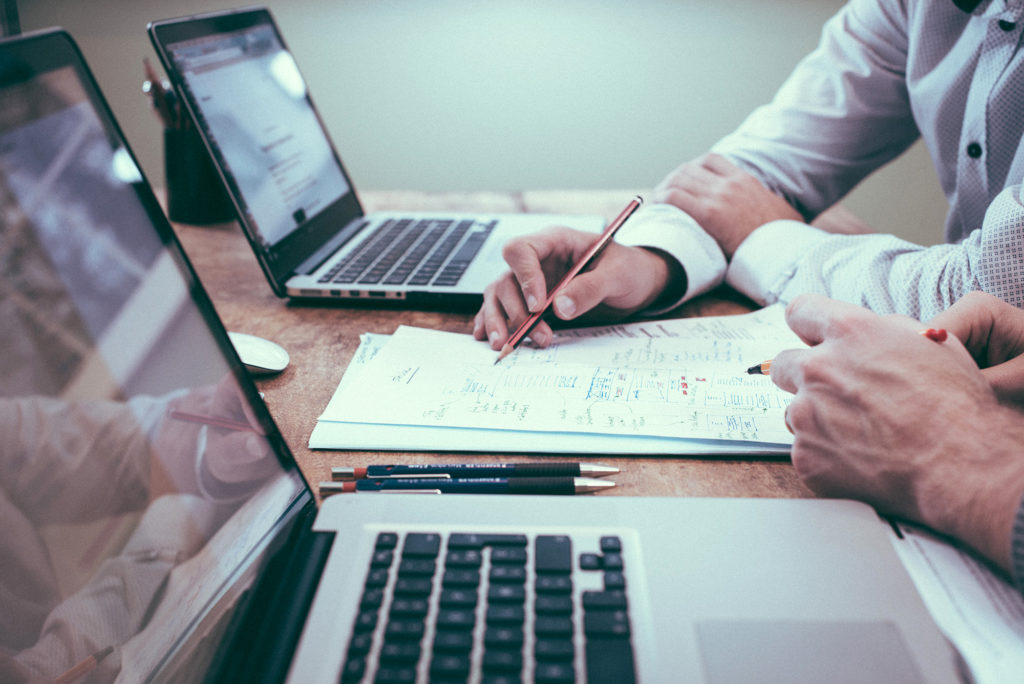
<point x="279" y="261"/>
<point x="33" y="54"/>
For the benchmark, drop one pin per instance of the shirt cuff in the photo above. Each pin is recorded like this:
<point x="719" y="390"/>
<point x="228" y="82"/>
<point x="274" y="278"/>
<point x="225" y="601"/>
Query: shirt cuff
<point x="766" y="260"/>
<point x="671" y="230"/>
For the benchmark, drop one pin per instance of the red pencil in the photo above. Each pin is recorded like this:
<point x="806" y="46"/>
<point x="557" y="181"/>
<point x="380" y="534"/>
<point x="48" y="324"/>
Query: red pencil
<point x="591" y="255"/>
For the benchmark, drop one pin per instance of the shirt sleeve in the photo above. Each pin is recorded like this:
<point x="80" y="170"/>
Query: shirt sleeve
<point x="881" y="272"/>
<point x="843" y="112"/>
<point x="668" y="229"/>
<point x="1017" y="548"/>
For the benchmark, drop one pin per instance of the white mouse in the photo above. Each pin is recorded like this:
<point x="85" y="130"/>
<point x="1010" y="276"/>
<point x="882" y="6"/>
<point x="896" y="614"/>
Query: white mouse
<point x="260" y="356"/>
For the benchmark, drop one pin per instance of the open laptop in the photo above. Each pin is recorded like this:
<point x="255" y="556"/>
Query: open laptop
<point x="294" y="199"/>
<point x="157" y="528"/>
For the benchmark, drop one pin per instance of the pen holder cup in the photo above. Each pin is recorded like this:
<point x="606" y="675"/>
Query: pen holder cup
<point x="195" y="193"/>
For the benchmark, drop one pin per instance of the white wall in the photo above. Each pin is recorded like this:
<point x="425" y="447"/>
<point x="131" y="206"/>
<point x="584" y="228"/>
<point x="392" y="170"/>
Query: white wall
<point x="514" y="94"/>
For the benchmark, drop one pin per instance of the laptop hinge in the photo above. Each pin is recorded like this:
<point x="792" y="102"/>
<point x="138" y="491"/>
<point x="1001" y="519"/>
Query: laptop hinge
<point x="262" y="638"/>
<point x="314" y="261"/>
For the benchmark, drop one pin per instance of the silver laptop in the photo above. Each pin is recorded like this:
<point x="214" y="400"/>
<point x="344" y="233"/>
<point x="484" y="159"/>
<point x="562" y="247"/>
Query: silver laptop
<point x="157" y="528"/>
<point x="293" y="197"/>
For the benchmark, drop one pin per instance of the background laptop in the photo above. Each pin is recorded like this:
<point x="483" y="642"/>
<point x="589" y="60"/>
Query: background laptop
<point x="156" y="527"/>
<point x="296" y="203"/>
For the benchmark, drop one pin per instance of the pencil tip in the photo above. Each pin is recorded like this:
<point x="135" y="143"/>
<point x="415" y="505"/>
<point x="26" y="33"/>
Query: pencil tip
<point x="505" y="351"/>
<point x="754" y="370"/>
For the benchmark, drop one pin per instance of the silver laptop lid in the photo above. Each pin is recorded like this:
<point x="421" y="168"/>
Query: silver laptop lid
<point x="140" y="475"/>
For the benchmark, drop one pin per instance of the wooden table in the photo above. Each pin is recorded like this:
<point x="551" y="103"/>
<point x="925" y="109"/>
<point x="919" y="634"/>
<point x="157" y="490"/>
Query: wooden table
<point x="321" y="340"/>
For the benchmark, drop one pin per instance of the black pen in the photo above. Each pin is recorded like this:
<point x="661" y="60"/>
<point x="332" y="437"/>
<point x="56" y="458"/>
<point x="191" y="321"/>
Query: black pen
<point x="435" y="470"/>
<point x="477" y="485"/>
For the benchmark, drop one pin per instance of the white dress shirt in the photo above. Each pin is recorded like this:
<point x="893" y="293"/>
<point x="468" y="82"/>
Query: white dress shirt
<point x="884" y="73"/>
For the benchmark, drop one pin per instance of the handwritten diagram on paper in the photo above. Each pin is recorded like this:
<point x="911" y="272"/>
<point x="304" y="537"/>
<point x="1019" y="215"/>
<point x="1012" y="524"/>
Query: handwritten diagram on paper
<point x="682" y="378"/>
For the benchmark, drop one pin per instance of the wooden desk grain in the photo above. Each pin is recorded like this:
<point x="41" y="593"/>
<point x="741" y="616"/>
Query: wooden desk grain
<point x="321" y="340"/>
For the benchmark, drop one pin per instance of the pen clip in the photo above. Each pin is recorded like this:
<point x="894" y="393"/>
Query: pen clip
<point x="413" y="476"/>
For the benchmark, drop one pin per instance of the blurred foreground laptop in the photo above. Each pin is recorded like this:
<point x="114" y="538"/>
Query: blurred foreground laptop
<point x="156" y="527"/>
<point x="296" y="203"/>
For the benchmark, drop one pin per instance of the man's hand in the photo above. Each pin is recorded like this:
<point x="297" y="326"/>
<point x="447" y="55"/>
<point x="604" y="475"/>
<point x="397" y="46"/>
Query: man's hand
<point x="910" y="426"/>
<point x="623" y="281"/>
<point x="993" y="331"/>
<point x="726" y="201"/>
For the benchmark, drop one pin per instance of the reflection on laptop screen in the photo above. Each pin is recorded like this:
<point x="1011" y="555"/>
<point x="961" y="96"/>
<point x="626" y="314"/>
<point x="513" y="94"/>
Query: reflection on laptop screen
<point x="256" y="112"/>
<point x="126" y="513"/>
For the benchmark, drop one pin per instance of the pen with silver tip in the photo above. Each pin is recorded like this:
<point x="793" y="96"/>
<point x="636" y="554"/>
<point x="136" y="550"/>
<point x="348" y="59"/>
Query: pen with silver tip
<point x="568" y="469"/>
<point x="478" y="485"/>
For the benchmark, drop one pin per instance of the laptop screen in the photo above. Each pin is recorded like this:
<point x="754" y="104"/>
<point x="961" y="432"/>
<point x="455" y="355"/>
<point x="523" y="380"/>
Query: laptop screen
<point x="139" y="474"/>
<point x="256" y="113"/>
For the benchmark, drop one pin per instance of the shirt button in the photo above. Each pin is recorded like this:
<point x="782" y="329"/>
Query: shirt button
<point x="1007" y="25"/>
<point x="974" y="150"/>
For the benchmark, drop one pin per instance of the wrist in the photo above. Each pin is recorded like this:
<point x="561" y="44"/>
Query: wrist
<point x="976" y="494"/>
<point x="669" y="280"/>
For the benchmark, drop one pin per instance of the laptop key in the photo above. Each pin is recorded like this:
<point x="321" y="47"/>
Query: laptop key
<point x="554" y="673"/>
<point x="458" y="598"/>
<point x="456" y="619"/>
<point x="461" y="578"/>
<point x="553" y="554"/>
<point x="609" y="661"/>
<point x="416" y="567"/>
<point x="413" y="586"/>
<point x="503" y="637"/>
<point x="554" y="649"/>
<point x="353" y="670"/>
<point x="395" y="675"/>
<point x="510" y="555"/>
<point x="606" y="623"/>
<point x="404" y="629"/>
<point x="552" y="605"/>
<point x="460" y="641"/>
<point x="554" y="584"/>
<point x="426" y="545"/>
<point x="468" y="558"/>
<point x="386" y="540"/>
<point x="478" y="541"/>
<point x="548" y="626"/>
<point x="449" y="665"/>
<point x="508" y="574"/>
<point x="505" y="614"/>
<point x="416" y="608"/>
<point x="400" y="652"/>
<point x="503" y="659"/>
<point x="506" y="593"/>
<point x="614" y="581"/>
<point x="604" y="600"/>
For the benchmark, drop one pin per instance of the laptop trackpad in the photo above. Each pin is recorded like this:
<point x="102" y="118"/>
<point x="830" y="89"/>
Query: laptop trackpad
<point x="793" y="652"/>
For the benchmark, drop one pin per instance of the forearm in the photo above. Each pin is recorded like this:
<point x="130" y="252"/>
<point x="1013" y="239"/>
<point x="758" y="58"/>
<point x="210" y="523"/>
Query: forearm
<point x="78" y="449"/>
<point x="881" y="272"/>
<point x="974" y="493"/>
<point x="841" y="114"/>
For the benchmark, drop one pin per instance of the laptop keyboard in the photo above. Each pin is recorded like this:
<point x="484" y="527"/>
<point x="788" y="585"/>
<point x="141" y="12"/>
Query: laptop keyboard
<point x="491" y="608"/>
<point x="413" y="252"/>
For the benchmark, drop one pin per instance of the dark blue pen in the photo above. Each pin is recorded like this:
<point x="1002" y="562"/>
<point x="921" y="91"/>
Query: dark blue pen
<point x="474" y="470"/>
<point x="476" y="485"/>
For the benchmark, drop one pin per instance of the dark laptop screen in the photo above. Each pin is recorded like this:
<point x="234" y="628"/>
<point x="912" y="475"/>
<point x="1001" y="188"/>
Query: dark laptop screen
<point x="139" y="474"/>
<point x="254" y="108"/>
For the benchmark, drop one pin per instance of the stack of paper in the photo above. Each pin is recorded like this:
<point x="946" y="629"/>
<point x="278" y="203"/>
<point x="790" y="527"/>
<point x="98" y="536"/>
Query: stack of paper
<point x="659" y="387"/>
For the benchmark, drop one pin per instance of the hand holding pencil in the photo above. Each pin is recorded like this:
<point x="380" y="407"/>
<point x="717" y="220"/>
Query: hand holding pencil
<point x="622" y="281"/>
